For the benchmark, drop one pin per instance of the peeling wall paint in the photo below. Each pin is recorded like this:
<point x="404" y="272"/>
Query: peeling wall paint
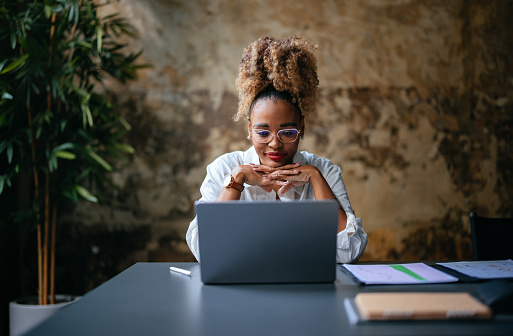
<point x="415" y="104"/>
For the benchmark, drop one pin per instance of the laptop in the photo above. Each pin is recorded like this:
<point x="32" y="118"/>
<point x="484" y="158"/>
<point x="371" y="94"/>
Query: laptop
<point x="267" y="241"/>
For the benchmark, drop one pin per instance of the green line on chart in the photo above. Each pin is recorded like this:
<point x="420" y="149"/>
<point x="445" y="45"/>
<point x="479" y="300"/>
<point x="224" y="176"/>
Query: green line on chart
<point x="405" y="270"/>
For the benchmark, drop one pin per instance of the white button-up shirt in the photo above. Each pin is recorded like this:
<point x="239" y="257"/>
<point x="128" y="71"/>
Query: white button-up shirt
<point x="350" y="242"/>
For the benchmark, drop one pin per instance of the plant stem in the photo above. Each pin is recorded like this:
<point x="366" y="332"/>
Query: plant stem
<point x="52" y="256"/>
<point x="39" y="266"/>
<point x="47" y="183"/>
<point x="46" y="231"/>
<point x="36" y="198"/>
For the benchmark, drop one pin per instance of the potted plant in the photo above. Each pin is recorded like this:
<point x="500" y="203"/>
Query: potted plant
<point x="59" y="137"/>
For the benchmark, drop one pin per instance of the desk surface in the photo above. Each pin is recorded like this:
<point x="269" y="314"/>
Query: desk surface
<point x="148" y="299"/>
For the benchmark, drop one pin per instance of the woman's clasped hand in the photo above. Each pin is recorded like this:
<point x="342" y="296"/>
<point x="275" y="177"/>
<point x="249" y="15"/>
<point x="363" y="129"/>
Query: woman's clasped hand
<point x="285" y="177"/>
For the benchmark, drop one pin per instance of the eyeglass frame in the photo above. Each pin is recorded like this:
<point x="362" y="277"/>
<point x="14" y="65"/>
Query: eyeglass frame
<point x="277" y="134"/>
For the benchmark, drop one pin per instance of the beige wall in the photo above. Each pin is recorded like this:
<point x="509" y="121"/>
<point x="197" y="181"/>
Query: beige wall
<point x="415" y="104"/>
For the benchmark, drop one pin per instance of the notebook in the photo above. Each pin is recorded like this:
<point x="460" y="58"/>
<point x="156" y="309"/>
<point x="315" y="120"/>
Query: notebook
<point x="267" y="242"/>
<point x="419" y="306"/>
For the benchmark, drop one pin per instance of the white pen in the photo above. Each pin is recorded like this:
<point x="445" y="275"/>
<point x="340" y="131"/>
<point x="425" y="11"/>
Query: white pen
<point x="181" y="271"/>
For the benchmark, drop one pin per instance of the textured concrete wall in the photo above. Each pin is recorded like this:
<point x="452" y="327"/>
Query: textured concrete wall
<point x="415" y="104"/>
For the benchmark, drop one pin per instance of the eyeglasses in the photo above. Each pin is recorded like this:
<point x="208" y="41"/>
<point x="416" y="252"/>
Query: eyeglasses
<point x="284" y="135"/>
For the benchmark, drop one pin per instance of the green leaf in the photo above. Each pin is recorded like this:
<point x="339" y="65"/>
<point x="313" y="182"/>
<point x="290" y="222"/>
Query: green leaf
<point x="99" y="159"/>
<point x="77" y="12"/>
<point x="86" y="111"/>
<point x="13" y="41"/>
<point x="72" y="195"/>
<point x="65" y="155"/>
<point x="125" y="148"/>
<point x="15" y="64"/>
<point x="38" y="132"/>
<point x="48" y="11"/>
<point x="23" y="29"/>
<point x="7" y="95"/>
<point x="2" y="182"/>
<point x="52" y="163"/>
<point x="2" y="63"/>
<point x="60" y="152"/>
<point x="71" y="12"/>
<point x="66" y="145"/>
<point x="85" y="44"/>
<point x="125" y="123"/>
<point x="86" y="194"/>
<point x="9" y="152"/>
<point x="83" y="174"/>
<point x="99" y="38"/>
<point x="47" y="116"/>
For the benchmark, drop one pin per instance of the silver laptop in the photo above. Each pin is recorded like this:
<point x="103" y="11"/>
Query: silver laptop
<point x="267" y="242"/>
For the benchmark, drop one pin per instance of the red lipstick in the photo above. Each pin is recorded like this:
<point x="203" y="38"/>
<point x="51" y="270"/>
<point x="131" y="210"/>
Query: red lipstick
<point x="276" y="156"/>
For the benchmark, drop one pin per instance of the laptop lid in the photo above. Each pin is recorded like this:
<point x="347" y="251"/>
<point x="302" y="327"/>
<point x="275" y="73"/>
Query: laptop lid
<point x="267" y="242"/>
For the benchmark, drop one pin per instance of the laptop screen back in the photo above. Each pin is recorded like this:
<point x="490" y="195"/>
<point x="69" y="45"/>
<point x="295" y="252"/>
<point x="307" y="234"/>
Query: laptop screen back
<point x="267" y="242"/>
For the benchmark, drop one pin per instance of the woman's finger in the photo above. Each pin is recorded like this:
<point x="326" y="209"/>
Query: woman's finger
<point x="283" y="175"/>
<point x="286" y="172"/>
<point x="291" y="166"/>
<point x="261" y="168"/>
<point x="286" y="187"/>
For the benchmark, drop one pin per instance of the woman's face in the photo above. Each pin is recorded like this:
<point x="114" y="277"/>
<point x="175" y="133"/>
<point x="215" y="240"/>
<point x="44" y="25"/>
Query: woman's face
<point x="275" y="115"/>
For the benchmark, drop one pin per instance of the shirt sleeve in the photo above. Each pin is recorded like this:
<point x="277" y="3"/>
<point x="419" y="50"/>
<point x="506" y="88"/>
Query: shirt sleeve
<point x="351" y="241"/>
<point x="192" y="238"/>
<point x="210" y="189"/>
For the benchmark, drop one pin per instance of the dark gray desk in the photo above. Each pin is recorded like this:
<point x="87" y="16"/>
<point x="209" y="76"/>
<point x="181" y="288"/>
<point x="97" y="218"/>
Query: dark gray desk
<point x="148" y="299"/>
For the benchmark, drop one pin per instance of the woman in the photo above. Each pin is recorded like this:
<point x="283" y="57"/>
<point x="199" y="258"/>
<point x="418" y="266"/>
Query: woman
<point x="277" y="88"/>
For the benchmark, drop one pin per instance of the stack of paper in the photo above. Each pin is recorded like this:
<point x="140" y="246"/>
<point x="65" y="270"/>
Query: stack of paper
<point x="416" y="273"/>
<point x="483" y="269"/>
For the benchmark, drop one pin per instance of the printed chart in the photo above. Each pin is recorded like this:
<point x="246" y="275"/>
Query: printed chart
<point x="483" y="269"/>
<point x="415" y="273"/>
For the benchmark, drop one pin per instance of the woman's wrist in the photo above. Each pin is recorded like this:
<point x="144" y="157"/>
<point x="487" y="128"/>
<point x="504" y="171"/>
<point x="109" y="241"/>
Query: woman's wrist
<point x="316" y="176"/>
<point x="238" y="175"/>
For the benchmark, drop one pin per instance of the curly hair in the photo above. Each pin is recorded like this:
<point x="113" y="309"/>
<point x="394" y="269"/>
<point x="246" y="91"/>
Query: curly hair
<point x="282" y="64"/>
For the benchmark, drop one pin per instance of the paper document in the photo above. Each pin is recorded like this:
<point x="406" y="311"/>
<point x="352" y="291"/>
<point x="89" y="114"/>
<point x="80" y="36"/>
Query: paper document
<point x="483" y="269"/>
<point x="416" y="273"/>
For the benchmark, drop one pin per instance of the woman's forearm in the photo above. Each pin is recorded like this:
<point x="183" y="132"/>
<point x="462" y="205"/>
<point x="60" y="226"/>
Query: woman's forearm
<point x="228" y="194"/>
<point x="322" y="191"/>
